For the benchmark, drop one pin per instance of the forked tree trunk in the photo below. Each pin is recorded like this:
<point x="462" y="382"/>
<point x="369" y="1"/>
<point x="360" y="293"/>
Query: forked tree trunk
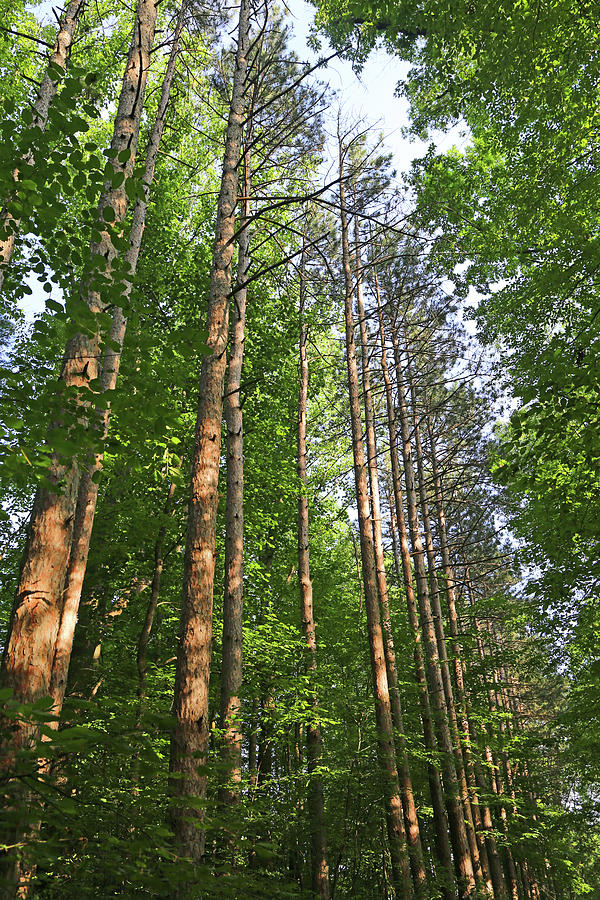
<point x="442" y="843"/>
<point x="88" y="486"/>
<point x="408" y="800"/>
<point x="9" y="225"/>
<point x="189" y="740"/>
<point x="29" y="654"/>
<point x="458" y="834"/>
<point x="316" y="806"/>
<point x="385" y="731"/>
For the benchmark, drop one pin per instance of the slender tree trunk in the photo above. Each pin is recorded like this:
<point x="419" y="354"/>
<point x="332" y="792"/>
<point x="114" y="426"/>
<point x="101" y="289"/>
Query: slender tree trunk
<point x="458" y="834"/>
<point x="88" y="486"/>
<point x="9" y="225"/>
<point x="487" y="846"/>
<point x="265" y="737"/>
<point x="438" y="619"/>
<point x="385" y="733"/>
<point x="189" y="742"/>
<point x="144" y="638"/>
<point x="442" y="842"/>
<point x="253" y="742"/>
<point x="408" y="800"/>
<point x="511" y="878"/>
<point x="316" y="805"/>
<point x="233" y="602"/>
<point x="29" y="653"/>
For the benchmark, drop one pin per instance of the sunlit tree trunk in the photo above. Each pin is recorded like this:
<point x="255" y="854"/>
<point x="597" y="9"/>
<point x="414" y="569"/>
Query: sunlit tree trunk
<point x="408" y="800"/>
<point x="35" y="620"/>
<point x="458" y="834"/>
<point x="385" y="734"/>
<point x="442" y="843"/>
<point x="88" y="485"/>
<point x="189" y="741"/>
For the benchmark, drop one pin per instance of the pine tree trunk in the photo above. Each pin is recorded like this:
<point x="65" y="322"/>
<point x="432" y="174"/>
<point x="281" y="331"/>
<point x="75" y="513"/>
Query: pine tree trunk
<point x="458" y="834"/>
<point x="88" y="487"/>
<point x="438" y="619"/>
<point x="9" y="226"/>
<point x="408" y="800"/>
<point x="487" y="846"/>
<point x="511" y="878"/>
<point x="385" y="733"/>
<point x="29" y="654"/>
<point x="189" y="741"/>
<point x="442" y="842"/>
<point x="316" y="806"/>
<point x="233" y="601"/>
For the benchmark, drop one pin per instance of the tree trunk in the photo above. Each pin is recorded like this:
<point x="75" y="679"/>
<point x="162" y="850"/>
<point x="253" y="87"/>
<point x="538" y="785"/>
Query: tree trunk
<point x="316" y="807"/>
<point x="144" y="638"/>
<point x="487" y="846"/>
<point x="438" y="619"/>
<point x="383" y="715"/>
<point x="511" y="878"/>
<point x="458" y="835"/>
<point x="408" y="800"/>
<point x="35" y="620"/>
<point x="88" y="487"/>
<point x="233" y="601"/>
<point x="189" y="741"/>
<point x="442" y="843"/>
<point x="9" y="226"/>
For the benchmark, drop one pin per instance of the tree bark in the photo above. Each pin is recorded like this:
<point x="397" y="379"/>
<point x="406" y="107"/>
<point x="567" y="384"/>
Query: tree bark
<point x="233" y="602"/>
<point x="438" y="619"/>
<point x="487" y="845"/>
<point x="189" y="741"/>
<point x="442" y="843"/>
<point x="458" y="835"/>
<point x="29" y="653"/>
<point x="408" y="800"/>
<point x="383" y="715"/>
<point x="9" y="225"/>
<point x="316" y="806"/>
<point x="88" y="486"/>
